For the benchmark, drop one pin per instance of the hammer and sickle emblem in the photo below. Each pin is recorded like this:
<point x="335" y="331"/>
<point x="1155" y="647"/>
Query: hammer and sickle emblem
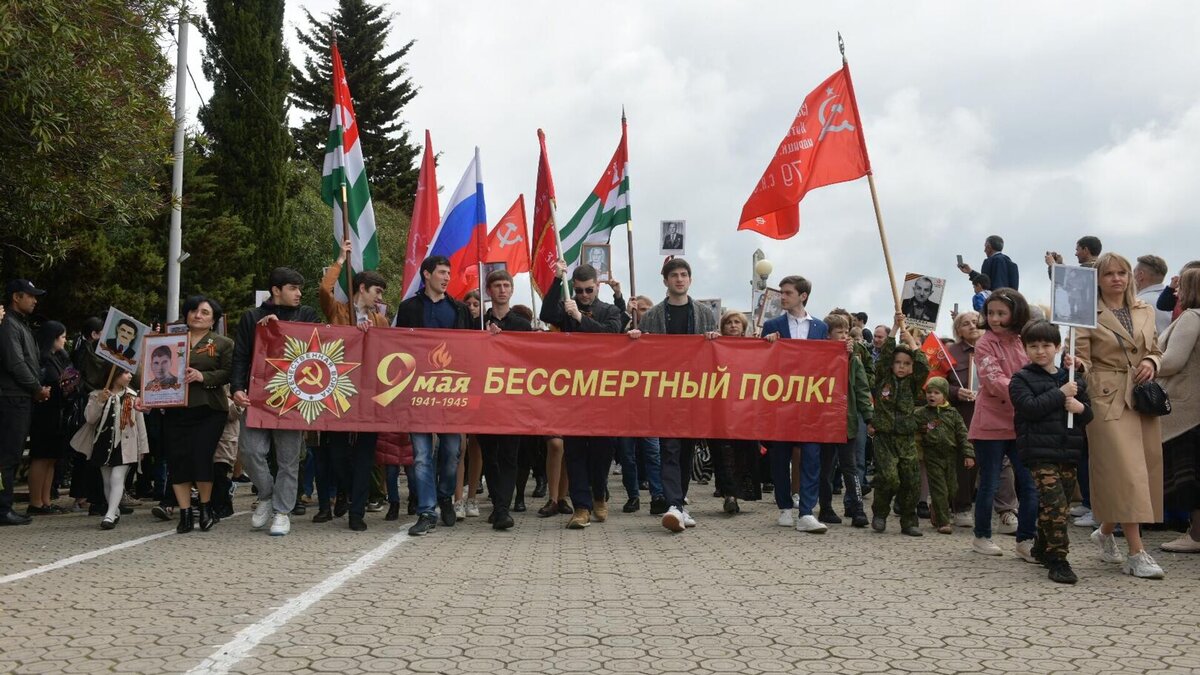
<point x="311" y="376"/>
<point x="509" y="230"/>
<point x="826" y="120"/>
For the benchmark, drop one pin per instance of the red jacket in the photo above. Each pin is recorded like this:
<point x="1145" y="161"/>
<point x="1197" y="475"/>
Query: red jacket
<point x="393" y="449"/>
<point x="997" y="357"/>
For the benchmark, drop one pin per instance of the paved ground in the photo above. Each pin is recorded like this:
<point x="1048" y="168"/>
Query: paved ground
<point x="733" y="595"/>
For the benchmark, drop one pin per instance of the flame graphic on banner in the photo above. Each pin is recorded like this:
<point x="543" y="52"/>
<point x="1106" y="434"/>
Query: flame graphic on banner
<point x="439" y="357"/>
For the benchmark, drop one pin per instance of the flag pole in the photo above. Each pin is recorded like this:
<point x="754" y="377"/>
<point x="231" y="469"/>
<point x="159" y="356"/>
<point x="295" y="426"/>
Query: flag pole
<point x="629" y="237"/>
<point x="345" y="203"/>
<point x="887" y="255"/>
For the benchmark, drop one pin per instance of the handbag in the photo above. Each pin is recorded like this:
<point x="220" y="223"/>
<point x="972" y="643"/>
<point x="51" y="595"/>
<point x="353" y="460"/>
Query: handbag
<point x="1149" y="398"/>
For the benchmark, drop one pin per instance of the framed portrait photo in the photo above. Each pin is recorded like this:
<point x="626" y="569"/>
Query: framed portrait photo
<point x="162" y="382"/>
<point x="769" y="306"/>
<point x="121" y="340"/>
<point x="714" y="306"/>
<point x="673" y="236"/>
<point x="488" y="268"/>
<point x="598" y="256"/>
<point x="921" y="300"/>
<point x="1074" y="299"/>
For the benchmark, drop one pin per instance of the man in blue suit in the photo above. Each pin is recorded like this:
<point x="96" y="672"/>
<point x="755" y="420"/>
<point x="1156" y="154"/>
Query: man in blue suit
<point x="796" y="324"/>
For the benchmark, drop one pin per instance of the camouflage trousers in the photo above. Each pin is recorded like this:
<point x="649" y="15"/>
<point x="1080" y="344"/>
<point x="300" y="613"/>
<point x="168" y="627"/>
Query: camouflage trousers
<point x="897" y="475"/>
<point x="1055" y="484"/>
<point x="941" y="466"/>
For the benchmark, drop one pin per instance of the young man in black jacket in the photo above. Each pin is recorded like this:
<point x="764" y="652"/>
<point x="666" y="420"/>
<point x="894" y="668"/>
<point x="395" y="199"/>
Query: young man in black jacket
<point x="276" y="494"/>
<point x="20" y="386"/>
<point x="1042" y="398"/>
<point x="433" y="308"/>
<point x="588" y="457"/>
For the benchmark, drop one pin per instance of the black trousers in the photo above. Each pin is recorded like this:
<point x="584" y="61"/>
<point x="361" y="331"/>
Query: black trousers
<point x="351" y="456"/>
<point x="588" y="459"/>
<point x="500" y="468"/>
<point x="677" y="455"/>
<point x="530" y="457"/>
<point x="16" y="414"/>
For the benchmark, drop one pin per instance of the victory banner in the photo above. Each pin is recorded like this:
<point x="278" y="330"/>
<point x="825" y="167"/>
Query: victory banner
<point x="316" y="377"/>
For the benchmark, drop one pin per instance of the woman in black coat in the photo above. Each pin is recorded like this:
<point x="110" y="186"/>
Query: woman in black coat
<point x="49" y="437"/>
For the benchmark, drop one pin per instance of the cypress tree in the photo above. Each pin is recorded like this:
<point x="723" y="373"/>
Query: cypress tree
<point x="246" y="121"/>
<point x="380" y="86"/>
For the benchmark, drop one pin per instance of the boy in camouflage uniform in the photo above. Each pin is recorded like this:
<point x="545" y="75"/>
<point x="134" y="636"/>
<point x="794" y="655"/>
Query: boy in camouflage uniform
<point x="942" y="440"/>
<point x="899" y="375"/>
<point x="1042" y="397"/>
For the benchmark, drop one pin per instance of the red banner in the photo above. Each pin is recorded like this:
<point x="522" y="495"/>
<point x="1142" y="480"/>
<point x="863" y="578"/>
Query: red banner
<point x="306" y="376"/>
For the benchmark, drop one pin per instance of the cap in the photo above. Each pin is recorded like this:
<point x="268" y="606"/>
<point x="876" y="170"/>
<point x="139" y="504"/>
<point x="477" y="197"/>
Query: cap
<point x="22" y="286"/>
<point x="940" y="384"/>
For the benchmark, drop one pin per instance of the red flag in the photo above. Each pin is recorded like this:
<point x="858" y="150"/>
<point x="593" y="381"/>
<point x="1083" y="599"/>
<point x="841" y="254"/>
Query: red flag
<point x="824" y="145"/>
<point x="545" y="235"/>
<point x="509" y="240"/>
<point x="940" y="362"/>
<point x="425" y="220"/>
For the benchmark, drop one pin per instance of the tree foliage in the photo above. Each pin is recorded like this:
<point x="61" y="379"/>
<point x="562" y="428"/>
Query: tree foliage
<point x="380" y="86"/>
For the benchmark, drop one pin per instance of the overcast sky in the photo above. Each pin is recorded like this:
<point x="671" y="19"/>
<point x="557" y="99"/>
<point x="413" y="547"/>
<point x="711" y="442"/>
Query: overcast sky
<point x="1041" y="122"/>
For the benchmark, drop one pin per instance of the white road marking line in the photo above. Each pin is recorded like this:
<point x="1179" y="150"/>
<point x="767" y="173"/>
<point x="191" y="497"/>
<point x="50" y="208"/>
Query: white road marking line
<point x="229" y="654"/>
<point x="65" y="562"/>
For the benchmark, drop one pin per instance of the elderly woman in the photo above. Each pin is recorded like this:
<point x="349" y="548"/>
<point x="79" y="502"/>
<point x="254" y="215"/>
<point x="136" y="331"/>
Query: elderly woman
<point x="1125" y="445"/>
<point x="1179" y="374"/>
<point x="735" y="461"/>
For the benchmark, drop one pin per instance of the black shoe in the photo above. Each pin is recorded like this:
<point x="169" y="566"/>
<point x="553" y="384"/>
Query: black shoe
<point x="491" y="518"/>
<point x="539" y="488"/>
<point x="731" y="506"/>
<point x="1039" y="551"/>
<point x="879" y="524"/>
<point x="911" y="531"/>
<point x="340" y="506"/>
<point x="565" y="508"/>
<point x="323" y="516"/>
<point x="107" y="524"/>
<point x="658" y="505"/>
<point x="425" y="524"/>
<point x="357" y="523"/>
<point x="206" y="517"/>
<point x="717" y="494"/>
<point x="768" y="487"/>
<point x="828" y="516"/>
<point x="447" y="508"/>
<point x="502" y="521"/>
<point x="1061" y="572"/>
<point x="923" y="510"/>
<point x="299" y="509"/>
<point x="14" y="518"/>
<point x="38" y="510"/>
<point x="632" y="506"/>
<point x="550" y="509"/>
<point x="519" y="506"/>
<point x="393" y="511"/>
<point x="644" y="486"/>
<point x="860" y="520"/>
<point x="97" y="509"/>
<point x="837" y="489"/>
<point x="866" y="490"/>
<point x="895" y="508"/>
<point x="162" y="512"/>
<point x="187" y="520"/>
<point x="412" y="505"/>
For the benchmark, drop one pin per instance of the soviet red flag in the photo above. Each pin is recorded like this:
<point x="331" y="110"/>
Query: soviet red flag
<point x="509" y="241"/>
<point x="545" y="236"/>
<point x="940" y="363"/>
<point x="823" y="145"/>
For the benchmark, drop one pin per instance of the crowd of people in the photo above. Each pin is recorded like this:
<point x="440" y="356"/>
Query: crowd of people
<point x="1012" y="434"/>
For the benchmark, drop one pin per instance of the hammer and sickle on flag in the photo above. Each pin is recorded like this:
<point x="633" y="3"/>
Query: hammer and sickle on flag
<point x="502" y="242"/>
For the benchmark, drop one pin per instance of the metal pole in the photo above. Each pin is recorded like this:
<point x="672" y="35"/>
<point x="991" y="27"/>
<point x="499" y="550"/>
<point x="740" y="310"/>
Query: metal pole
<point x="175" y="238"/>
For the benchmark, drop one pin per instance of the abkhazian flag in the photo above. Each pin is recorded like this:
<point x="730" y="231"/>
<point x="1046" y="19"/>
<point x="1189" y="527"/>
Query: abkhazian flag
<point x="344" y="166"/>
<point x="605" y="209"/>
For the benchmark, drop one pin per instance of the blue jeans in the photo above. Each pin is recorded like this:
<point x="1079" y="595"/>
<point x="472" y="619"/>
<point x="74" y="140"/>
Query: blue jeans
<point x="810" y="475"/>
<point x="652" y="456"/>
<point x="434" y="483"/>
<point x="989" y="456"/>
<point x="392" y="478"/>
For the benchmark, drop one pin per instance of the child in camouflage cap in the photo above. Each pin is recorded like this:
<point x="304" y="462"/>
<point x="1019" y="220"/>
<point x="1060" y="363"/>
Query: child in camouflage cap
<point x="942" y="440"/>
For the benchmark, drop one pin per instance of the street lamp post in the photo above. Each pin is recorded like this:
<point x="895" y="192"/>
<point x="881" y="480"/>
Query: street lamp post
<point x="760" y="271"/>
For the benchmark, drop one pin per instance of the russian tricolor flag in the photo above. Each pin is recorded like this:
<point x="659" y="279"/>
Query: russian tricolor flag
<point x="462" y="234"/>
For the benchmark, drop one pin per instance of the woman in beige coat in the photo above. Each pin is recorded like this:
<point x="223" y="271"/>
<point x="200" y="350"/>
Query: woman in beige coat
<point x="1124" y="446"/>
<point x="1179" y="375"/>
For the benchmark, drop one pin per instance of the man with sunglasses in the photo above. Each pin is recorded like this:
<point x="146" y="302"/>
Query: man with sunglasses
<point x="588" y="457"/>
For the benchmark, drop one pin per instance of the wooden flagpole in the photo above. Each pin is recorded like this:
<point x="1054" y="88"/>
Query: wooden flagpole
<point x="629" y="240"/>
<point x="1071" y="372"/>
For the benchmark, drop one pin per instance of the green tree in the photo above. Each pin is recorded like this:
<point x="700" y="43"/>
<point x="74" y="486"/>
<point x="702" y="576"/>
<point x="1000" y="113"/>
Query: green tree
<point x="246" y="121"/>
<point x="380" y="86"/>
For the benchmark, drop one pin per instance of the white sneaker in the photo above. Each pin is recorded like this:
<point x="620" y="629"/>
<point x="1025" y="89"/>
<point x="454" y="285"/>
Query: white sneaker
<point x="1078" y="510"/>
<point x="471" y="509"/>
<point x="964" y="519"/>
<point x="785" y="518"/>
<point x="280" y="525"/>
<point x="811" y="525"/>
<point x="985" y="546"/>
<point x="460" y="510"/>
<point x="1184" y="544"/>
<point x="688" y="520"/>
<point x="1087" y="520"/>
<point x="1141" y="565"/>
<point x="673" y="519"/>
<point x="1008" y="523"/>
<point x="262" y="514"/>
<point x="1109" y="552"/>
<point x="1024" y="551"/>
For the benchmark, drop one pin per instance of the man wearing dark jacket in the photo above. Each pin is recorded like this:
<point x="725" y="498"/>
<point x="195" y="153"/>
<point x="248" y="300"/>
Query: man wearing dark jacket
<point x="998" y="267"/>
<point x="433" y="308"/>
<point x="20" y="386"/>
<point x="276" y="494"/>
<point x="588" y="457"/>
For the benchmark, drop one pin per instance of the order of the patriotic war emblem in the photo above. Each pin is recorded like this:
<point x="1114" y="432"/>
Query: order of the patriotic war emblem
<point x="312" y="377"/>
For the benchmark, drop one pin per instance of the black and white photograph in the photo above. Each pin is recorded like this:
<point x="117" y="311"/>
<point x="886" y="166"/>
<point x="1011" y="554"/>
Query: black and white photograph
<point x="713" y="305"/>
<point x="921" y="300"/>
<point x="488" y="268"/>
<point x="598" y="256"/>
<point x="673" y="237"/>
<point x="767" y="307"/>
<point x="1074" y="300"/>
<point x="121" y="340"/>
